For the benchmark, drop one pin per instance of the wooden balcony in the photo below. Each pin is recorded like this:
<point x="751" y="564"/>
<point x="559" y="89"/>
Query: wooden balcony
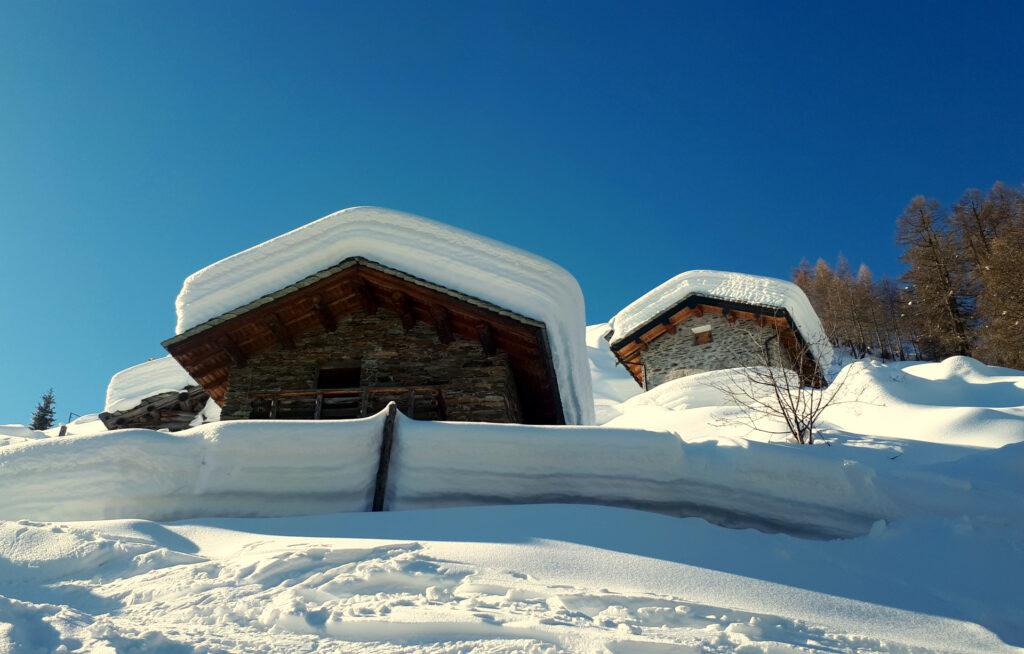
<point x="418" y="402"/>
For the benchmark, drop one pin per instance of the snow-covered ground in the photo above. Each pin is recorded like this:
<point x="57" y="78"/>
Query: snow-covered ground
<point x="545" y="578"/>
<point x="901" y="530"/>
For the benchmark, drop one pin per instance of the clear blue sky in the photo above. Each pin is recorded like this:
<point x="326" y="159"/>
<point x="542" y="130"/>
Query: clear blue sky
<point x="140" y="141"/>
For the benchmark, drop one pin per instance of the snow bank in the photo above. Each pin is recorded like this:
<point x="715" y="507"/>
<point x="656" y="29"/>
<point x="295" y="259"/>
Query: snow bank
<point x="959" y="402"/>
<point x="793" y="488"/>
<point x="610" y="380"/>
<point x="225" y="468"/>
<point x="689" y="469"/>
<point x="498" y="580"/>
<point x="129" y="387"/>
<point x="14" y="434"/>
<point x="734" y="287"/>
<point x="477" y="266"/>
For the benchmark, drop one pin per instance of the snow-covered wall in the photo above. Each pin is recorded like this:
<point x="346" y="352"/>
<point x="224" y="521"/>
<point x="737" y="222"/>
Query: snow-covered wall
<point x="267" y="468"/>
<point x="129" y="387"/>
<point x="733" y="287"/>
<point x="454" y="258"/>
<point x="250" y="467"/>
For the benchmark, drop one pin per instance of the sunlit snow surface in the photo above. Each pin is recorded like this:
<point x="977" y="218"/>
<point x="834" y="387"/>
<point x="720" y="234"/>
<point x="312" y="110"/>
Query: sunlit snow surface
<point x="923" y="472"/>
<point x="544" y="578"/>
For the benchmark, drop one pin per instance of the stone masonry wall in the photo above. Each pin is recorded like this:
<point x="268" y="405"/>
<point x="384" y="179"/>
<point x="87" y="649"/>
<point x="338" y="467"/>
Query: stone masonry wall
<point x="672" y="356"/>
<point x="476" y="386"/>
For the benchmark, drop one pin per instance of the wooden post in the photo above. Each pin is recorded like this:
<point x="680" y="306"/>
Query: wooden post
<point x="442" y="408"/>
<point x="364" y="402"/>
<point x="386" y="442"/>
<point x="319" y="405"/>
<point x="412" y="403"/>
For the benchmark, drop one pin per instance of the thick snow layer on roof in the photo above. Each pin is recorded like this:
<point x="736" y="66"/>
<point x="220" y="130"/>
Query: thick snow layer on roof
<point x="733" y="287"/>
<point x="475" y="265"/>
<point x="129" y="387"/>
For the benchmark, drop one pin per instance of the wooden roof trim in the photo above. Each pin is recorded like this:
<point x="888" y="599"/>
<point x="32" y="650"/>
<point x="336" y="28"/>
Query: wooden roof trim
<point x="328" y="272"/>
<point x="688" y="304"/>
<point x="628" y="351"/>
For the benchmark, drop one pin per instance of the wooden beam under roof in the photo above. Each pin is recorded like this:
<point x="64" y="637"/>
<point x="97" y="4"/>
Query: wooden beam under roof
<point x="442" y="323"/>
<point x="362" y="290"/>
<point x="280" y="331"/>
<point x="405" y="309"/>
<point x="486" y="336"/>
<point x="324" y="314"/>
<point x="234" y="352"/>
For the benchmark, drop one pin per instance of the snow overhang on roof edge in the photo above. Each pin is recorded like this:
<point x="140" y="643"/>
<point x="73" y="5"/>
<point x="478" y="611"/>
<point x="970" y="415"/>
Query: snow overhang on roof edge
<point x="520" y="284"/>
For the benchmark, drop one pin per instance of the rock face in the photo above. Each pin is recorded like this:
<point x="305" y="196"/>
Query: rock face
<point x="474" y="386"/>
<point x="731" y="345"/>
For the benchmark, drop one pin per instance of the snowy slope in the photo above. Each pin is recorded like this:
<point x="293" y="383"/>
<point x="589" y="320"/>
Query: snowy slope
<point x="445" y="255"/>
<point x="500" y="579"/>
<point x="731" y="286"/>
<point x="129" y="387"/>
<point x="923" y="476"/>
<point x="16" y="434"/>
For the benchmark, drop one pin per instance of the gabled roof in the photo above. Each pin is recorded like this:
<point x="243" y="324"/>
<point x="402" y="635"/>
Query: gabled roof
<point x="319" y="302"/>
<point x="751" y="296"/>
<point x="503" y="281"/>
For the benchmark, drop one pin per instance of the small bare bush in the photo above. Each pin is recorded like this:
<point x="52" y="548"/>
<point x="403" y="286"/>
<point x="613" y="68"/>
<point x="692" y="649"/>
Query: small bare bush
<point x="771" y="389"/>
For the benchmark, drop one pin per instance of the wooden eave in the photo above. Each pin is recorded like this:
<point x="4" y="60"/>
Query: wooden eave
<point x="629" y="348"/>
<point x="208" y="350"/>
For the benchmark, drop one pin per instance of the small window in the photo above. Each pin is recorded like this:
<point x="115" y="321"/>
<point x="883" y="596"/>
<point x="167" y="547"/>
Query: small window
<point x="341" y="375"/>
<point x="702" y="335"/>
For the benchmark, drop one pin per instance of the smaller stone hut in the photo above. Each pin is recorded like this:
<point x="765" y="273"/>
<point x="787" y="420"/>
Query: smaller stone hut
<point x="705" y="320"/>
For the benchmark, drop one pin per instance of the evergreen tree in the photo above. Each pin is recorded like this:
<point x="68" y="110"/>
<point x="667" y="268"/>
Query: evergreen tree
<point x="43" y="416"/>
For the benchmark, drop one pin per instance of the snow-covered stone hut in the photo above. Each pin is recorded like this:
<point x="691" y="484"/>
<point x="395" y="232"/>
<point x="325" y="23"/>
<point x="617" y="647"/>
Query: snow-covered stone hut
<point x="365" y="306"/>
<point x="704" y="320"/>
<point x="157" y="394"/>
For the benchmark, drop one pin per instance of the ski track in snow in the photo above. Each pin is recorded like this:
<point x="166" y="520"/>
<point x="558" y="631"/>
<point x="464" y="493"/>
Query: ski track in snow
<point x="119" y="594"/>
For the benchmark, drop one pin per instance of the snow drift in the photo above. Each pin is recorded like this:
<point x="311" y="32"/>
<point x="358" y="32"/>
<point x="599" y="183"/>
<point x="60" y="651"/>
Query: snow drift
<point x="735" y="287"/>
<point x="475" y="265"/>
